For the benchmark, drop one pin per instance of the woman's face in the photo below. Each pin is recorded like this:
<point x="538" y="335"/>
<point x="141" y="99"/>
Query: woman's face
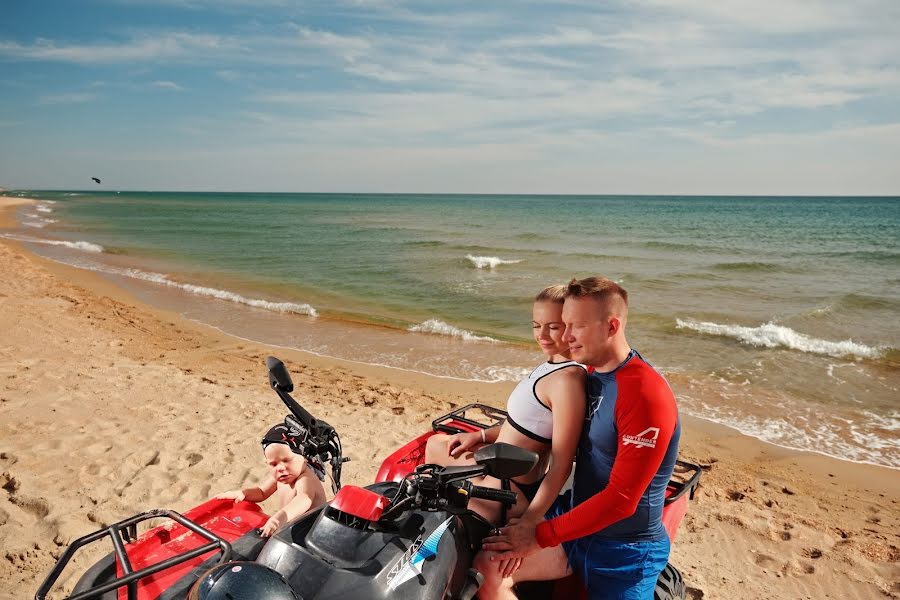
<point x="548" y="327"/>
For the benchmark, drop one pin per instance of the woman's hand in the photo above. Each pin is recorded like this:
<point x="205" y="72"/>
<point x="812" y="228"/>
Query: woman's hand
<point x="236" y="495"/>
<point x="463" y="442"/>
<point x="509" y="566"/>
<point x="273" y="524"/>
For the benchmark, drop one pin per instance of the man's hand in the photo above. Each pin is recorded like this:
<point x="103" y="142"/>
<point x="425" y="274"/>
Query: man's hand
<point x="273" y="524"/>
<point x="462" y="442"/>
<point x="236" y="495"/>
<point x="514" y="541"/>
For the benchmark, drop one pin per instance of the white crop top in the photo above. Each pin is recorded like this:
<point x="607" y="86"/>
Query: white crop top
<point x="524" y="409"/>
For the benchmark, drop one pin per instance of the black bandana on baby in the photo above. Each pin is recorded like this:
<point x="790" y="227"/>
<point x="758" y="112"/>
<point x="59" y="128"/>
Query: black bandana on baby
<point x="282" y="434"/>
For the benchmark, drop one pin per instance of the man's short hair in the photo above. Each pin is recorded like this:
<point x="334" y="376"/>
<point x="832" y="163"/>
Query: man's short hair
<point x="553" y="293"/>
<point x="600" y="288"/>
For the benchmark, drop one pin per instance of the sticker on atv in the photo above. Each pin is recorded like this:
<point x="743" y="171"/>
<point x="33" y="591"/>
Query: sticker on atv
<point x="410" y="564"/>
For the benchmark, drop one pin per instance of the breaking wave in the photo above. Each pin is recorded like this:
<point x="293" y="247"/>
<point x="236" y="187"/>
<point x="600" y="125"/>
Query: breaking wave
<point x="43" y="208"/>
<point x="84" y="246"/>
<point x="771" y="335"/>
<point x="35" y="220"/>
<point x="438" y="327"/>
<point x="199" y="290"/>
<point x="489" y="262"/>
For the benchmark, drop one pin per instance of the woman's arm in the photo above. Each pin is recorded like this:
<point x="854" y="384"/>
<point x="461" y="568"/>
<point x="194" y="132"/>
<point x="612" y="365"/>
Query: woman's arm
<point x="565" y="392"/>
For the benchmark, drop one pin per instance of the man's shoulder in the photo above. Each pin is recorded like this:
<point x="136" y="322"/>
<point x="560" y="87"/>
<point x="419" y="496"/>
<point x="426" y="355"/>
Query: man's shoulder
<point x="643" y="380"/>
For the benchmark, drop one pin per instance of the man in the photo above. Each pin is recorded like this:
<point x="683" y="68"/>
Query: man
<point x="609" y="528"/>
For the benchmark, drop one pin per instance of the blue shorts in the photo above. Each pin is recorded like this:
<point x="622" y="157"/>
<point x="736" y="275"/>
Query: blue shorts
<point x="613" y="569"/>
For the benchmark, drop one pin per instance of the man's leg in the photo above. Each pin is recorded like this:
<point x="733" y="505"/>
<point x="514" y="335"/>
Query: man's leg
<point x="617" y="570"/>
<point x="549" y="563"/>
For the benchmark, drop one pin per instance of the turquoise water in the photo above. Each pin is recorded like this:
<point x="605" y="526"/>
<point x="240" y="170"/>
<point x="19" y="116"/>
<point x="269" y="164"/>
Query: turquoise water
<point x="746" y="303"/>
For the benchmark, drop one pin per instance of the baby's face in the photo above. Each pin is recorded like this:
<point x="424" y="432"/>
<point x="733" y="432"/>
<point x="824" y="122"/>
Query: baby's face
<point x="286" y="466"/>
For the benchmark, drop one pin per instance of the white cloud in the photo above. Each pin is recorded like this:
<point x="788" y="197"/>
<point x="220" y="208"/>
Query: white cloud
<point x="167" y="85"/>
<point x="68" y="98"/>
<point x="228" y="75"/>
<point x="164" y="46"/>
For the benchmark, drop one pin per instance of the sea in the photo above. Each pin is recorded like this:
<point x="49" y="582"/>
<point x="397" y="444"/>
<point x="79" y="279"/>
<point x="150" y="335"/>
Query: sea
<point x="776" y="316"/>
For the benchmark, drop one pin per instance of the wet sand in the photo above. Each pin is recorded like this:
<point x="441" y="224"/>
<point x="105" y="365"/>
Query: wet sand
<point x="109" y="407"/>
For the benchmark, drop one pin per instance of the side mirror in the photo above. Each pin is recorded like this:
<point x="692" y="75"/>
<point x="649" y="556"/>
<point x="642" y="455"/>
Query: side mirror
<point x="505" y="461"/>
<point x="279" y="378"/>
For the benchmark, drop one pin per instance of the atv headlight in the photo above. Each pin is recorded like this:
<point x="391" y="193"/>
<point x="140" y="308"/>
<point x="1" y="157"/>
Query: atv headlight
<point x="242" y="581"/>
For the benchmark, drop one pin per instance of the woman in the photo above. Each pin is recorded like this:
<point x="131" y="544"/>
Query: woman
<point x="545" y="413"/>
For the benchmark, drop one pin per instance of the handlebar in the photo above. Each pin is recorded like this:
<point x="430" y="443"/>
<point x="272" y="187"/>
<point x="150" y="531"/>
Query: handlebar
<point x="487" y="493"/>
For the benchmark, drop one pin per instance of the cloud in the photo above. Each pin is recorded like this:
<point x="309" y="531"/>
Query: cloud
<point x="228" y="75"/>
<point x="68" y="98"/>
<point x="149" y="48"/>
<point x="167" y="85"/>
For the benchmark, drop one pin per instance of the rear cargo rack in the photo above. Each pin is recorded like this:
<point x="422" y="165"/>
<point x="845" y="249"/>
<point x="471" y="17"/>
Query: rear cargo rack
<point x="446" y="424"/>
<point x="125" y="531"/>
<point x="689" y="486"/>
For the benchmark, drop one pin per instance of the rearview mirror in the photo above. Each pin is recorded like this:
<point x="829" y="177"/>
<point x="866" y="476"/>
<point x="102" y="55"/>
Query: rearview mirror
<point x="279" y="378"/>
<point x="505" y="461"/>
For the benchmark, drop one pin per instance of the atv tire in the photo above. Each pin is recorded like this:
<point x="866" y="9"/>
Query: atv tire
<point x="670" y="585"/>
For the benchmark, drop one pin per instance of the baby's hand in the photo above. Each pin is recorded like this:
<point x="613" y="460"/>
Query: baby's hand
<point x="236" y="495"/>
<point x="272" y="525"/>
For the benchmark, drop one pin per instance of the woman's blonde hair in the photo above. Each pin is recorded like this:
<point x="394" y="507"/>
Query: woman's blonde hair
<point x="553" y="293"/>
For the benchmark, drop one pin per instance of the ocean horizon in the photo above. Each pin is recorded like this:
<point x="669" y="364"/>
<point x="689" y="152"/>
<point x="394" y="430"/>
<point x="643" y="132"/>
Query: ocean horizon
<point x="776" y="316"/>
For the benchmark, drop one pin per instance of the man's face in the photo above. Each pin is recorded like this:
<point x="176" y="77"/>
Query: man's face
<point x="587" y="330"/>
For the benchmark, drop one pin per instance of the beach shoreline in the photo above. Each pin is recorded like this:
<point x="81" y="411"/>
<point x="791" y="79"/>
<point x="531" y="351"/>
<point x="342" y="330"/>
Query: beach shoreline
<point x="143" y="408"/>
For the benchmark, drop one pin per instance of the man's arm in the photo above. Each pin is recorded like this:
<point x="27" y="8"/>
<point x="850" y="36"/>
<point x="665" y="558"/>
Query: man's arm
<point x="633" y="470"/>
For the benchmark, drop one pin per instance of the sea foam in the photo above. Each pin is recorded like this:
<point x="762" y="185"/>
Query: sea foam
<point x="199" y="290"/>
<point x="84" y="246"/>
<point x="851" y="440"/>
<point x="489" y="262"/>
<point x="770" y="335"/>
<point x="438" y="327"/>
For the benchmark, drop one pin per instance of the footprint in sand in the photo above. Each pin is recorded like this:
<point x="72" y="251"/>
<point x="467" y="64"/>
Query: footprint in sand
<point x="769" y="563"/>
<point x="812" y="553"/>
<point x="807" y="569"/>
<point x="36" y="506"/>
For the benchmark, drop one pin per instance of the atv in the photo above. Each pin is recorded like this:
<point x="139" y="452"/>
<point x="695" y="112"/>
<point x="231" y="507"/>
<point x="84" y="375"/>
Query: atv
<point x="408" y="535"/>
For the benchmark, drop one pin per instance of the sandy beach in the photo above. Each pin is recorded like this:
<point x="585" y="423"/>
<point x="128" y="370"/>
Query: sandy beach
<point x="109" y="407"/>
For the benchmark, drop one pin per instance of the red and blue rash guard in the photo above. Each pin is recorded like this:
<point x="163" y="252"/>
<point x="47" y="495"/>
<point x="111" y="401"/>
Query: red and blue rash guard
<point x="625" y="458"/>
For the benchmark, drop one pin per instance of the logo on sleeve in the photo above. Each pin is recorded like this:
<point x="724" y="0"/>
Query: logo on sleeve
<point x="645" y="439"/>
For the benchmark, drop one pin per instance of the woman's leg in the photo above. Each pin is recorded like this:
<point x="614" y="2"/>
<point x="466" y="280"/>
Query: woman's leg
<point x="437" y="452"/>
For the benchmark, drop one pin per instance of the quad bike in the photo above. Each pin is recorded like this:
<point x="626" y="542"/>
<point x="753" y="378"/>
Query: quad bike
<point x="408" y="535"/>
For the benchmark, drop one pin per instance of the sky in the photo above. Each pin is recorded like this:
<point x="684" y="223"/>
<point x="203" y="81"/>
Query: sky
<point x="770" y="97"/>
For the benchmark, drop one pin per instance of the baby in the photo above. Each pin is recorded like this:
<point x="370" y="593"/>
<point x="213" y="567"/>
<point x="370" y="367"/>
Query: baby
<point x="298" y="486"/>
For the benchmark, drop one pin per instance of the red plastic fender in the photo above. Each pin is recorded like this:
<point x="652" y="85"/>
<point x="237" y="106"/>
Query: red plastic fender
<point x="359" y="502"/>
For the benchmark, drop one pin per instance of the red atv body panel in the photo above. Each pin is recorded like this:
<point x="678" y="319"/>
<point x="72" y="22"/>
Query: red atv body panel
<point x="229" y="520"/>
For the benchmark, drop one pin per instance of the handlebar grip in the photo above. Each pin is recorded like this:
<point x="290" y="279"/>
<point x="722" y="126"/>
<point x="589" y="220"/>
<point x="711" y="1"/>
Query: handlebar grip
<point x="487" y="493"/>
